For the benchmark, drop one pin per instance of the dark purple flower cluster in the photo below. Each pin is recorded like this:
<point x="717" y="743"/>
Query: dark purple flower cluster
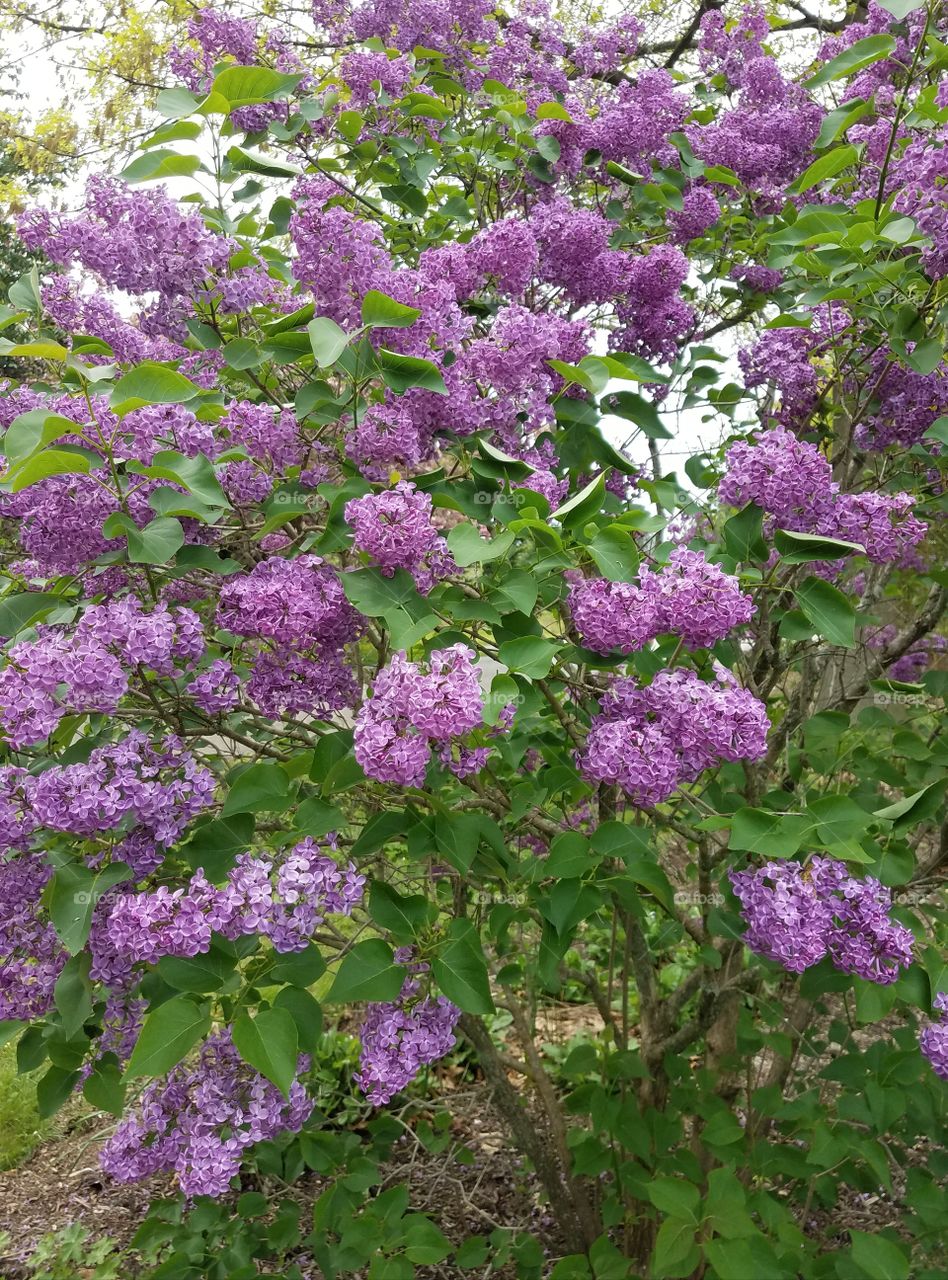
<point x="31" y="955"/>
<point x="649" y="740"/>
<point x="198" y="1122"/>
<point x="916" y="661"/>
<point x="394" y="528"/>
<point x="411" y="708"/>
<point x="299" y="611"/>
<point x="798" y="914"/>
<point x="399" y="1039"/>
<point x="689" y="596"/>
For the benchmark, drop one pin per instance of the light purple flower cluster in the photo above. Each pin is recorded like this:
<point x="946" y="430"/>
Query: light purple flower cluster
<point x="796" y="915"/>
<point x="394" y="528"/>
<point x="792" y="481"/>
<point x="198" y="1122"/>
<point x="688" y="596"/>
<point x="649" y="740"/>
<point x="216" y="689"/>
<point x="283" y="899"/>
<point x="399" y="1039"/>
<point x="139" y="241"/>
<point x="70" y="673"/>
<point x="411" y="708"/>
<point x="933" y="1041"/>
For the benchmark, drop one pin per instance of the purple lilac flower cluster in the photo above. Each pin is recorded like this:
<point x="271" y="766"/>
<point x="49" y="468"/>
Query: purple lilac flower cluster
<point x="31" y="955"/>
<point x="399" y="1039"/>
<point x="689" y="597"/>
<point x="411" y="708"/>
<point x="916" y="661"/>
<point x="198" y="1122"/>
<point x="299" y="611"/>
<point x="283" y="899"/>
<point x="149" y="793"/>
<point x="933" y="1041"/>
<point x="792" y="481"/>
<point x="798" y="914"/>
<point x="394" y="528"/>
<point x="649" y="740"/>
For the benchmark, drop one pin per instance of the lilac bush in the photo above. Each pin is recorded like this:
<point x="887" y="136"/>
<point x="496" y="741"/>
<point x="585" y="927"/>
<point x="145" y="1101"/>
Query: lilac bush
<point x="364" y="654"/>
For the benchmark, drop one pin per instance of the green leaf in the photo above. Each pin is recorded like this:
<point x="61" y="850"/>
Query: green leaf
<point x="245" y="161"/>
<point x="153" y="384"/>
<point x="194" y="473"/>
<point x="826" y="166"/>
<point x="200" y="973"/>
<point x="157" y="543"/>
<point x="176" y="104"/>
<point x="460" y="969"/>
<point x="20" y="611"/>
<point x="502" y="464"/>
<point x="33" y="430"/>
<point x="674" y="1248"/>
<point x="615" y="553"/>
<point x="858" y="56"/>
<point x="878" y="1256"/>
<point x="104" y="1088"/>
<point x="743" y="538"/>
<point x="160" y="164"/>
<point x="54" y="1090"/>
<point x="72" y="993"/>
<point x="675" y="1196"/>
<point x="48" y="462"/>
<point x="327" y="340"/>
<point x="214" y="845"/>
<point x="531" y="655"/>
<point x="367" y="972"/>
<point x="261" y="787"/>
<point x="379" y="311"/>
<point x="300" y="968"/>
<point x="37" y="351"/>
<point x="407" y="614"/>
<point x="918" y="807"/>
<point x="168" y="1033"/>
<point x="515" y="592"/>
<point x="73" y="894"/>
<point x="400" y="915"/>
<point x="776" y="835"/>
<point x="244" y="86"/>
<point x="839" y="824"/>
<point x="901" y="8"/>
<point x="468" y="547"/>
<point x="798" y="548"/>
<point x="402" y="373"/>
<point x="583" y="504"/>
<point x="269" y="1043"/>
<point x="306" y="1012"/>
<point x="828" y="610"/>
<point x="635" y="408"/>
